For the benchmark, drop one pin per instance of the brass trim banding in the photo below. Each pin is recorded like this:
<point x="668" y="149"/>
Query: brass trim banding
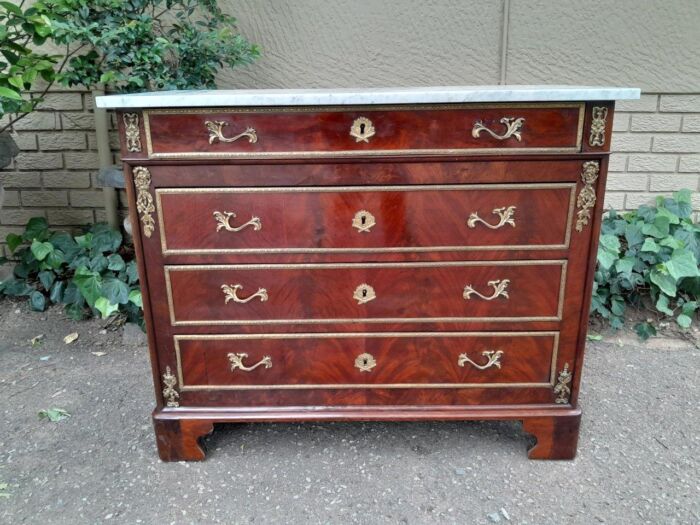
<point x="371" y="189"/>
<point x="361" y="153"/>
<point x="206" y="267"/>
<point x="221" y="337"/>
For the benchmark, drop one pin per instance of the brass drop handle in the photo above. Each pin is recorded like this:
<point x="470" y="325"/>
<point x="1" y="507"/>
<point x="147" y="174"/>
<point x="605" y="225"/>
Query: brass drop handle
<point x="223" y="222"/>
<point x="499" y="290"/>
<point x="236" y="361"/>
<point x="513" y="129"/>
<point x="216" y="132"/>
<point x="505" y="215"/>
<point x="231" y="294"/>
<point x="365" y="362"/>
<point x="493" y="358"/>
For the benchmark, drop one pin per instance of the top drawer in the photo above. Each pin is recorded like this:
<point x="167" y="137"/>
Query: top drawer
<point x="364" y="131"/>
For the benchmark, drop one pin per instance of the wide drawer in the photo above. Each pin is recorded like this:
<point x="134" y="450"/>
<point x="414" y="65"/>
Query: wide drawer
<point x="373" y="360"/>
<point x="352" y="131"/>
<point x="358" y="219"/>
<point x="497" y="291"/>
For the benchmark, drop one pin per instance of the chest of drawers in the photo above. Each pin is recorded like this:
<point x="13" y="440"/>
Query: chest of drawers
<point x="366" y="255"/>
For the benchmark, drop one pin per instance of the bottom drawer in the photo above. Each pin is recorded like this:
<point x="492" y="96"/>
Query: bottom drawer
<point x="369" y="360"/>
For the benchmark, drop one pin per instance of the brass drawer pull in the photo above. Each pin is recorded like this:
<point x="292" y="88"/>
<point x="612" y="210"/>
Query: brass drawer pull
<point x="499" y="289"/>
<point x="363" y="221"/>
<point x="362" y="129"/>
<point x="223" y="218"/>
<point x="216" y="132"/>
<point x="513" y="127"/>
<point x="237" y="362"/>
<point x="364" y="294"/>
<point x="505" y="215"/>
<point x="365" y="362"/>
<point x="493" y="358"/>
<point x="231" y="293"/>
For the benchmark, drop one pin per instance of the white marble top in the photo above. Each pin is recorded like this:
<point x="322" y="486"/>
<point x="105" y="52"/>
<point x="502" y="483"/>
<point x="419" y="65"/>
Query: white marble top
<point x="351" y="96"/>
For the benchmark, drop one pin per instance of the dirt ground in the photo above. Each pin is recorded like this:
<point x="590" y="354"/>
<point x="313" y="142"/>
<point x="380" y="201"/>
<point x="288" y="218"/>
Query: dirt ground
<point x="638" y="461"/>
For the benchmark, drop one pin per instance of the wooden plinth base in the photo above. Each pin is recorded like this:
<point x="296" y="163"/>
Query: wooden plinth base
<point x="179" y="431"/>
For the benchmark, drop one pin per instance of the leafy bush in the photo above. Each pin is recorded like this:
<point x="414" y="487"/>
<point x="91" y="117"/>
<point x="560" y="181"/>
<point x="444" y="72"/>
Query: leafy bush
<point x="91" y="274"/>
<point x="651" y="252"/>
<point x="145" y="44"/>
<point x="21" y="65"/>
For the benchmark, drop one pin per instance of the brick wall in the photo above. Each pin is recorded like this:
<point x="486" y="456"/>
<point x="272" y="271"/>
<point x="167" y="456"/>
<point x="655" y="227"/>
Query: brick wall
<point x="54" y="176"/>
<point x="656" y="150"/>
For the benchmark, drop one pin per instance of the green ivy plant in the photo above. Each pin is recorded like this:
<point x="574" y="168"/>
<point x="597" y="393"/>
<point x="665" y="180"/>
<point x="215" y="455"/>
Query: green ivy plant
<point x="651" y="253"/>
<point x="93" y="274"/>
<point x="137" y="45"/>
<point x="21" y="65"/>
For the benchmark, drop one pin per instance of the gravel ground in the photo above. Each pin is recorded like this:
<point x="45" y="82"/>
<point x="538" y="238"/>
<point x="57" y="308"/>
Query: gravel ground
<point x="638" y="458"/>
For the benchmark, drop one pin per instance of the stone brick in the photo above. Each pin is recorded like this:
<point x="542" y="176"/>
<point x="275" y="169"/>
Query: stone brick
<point x="71" y="120"/>
<point x="70" y="217"/>
<point x="39" y="161"/>
<point x="628" y="142"/>
<point x="86" y="199"/>
<point x="83" y="160"/>
<point x="621" y="122"/>
<point x="691" y="123"/>
<point x="88" y="102"/>
<point x="66" y="179"/>
<point x="614" y="201"/>
<point x="689" y="164"/>
<point x="627" y="182"/>
<point x="652" y="162"/>
<point x="635" y="200"/>
<point x="20" y="179"/>
<point x="680" y="103"/>
<point x="673" y="181"/>
<point x="113" y="141"/>
<point x="62" y="140"/>
<point x="37" y="121"/>
<point x="645" y="103"/>
<point x="617" y="162"/>
<point x="676" y="143"/>
<point x="11" y="199"/>
<point x="19" y="217"/>
<point x="25" y="141"/>
<point x="42" y="199"/>
<point x="656" y="122"/>
<point x="62" y="101"/>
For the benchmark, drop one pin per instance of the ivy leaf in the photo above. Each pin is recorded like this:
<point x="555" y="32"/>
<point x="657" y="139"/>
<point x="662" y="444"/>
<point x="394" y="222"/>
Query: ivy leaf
<point x="98" y="263"/>
<point x="116" y="291"/>
<point x="650" y="246"/>
<point x="633" y="235"/>
<point x="16" y="288"/>
<point x="89" y="283"/>
<point x="105" y="307"/>
<point x="37" y="228"/>
<point x="56" y="292"/>
<point x="689" y="308"/>
<point x="46" y="278"/>
<point x="9" y="93"/>
<point x="105" y="239"/>
<point x="665" y="282"/>
<point x="115" y="262"/>
<point x="682" y="264"/>
<point x="625" y="266"/>
<point x="645" y="330"/>
<point x="662" y="305"/>
<point x="132" y="272"/>
<point x="41" y="250"/>
<point x="610" y="243"/>
<point x="13" y="241"/>
<point x="684" y="321"/>
<point x="136" y="298"/>
<point x="37" y="301"/>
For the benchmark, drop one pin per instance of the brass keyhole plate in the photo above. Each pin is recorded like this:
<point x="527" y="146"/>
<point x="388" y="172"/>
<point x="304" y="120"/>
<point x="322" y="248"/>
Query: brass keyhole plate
<point x="362" y="129"/>
<point x="364" y="294"/>
<point x="365" y="362"/>
<point x="363" y="221"/>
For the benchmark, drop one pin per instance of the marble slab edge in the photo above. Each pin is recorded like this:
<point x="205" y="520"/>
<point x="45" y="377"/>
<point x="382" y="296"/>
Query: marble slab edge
<point x="349" y="97"/>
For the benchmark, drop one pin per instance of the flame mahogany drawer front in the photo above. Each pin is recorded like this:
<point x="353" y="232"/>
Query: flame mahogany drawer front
<point x="376" y="360"/>
<point x="271" y="132"/>
<point x="360" y="219"/>
<point x="391" y="292"/>
<point x="368" y="262"/>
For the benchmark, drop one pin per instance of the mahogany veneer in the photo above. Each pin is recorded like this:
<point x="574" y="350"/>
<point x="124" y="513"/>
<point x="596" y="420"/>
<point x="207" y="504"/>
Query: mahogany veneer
<point x="367" y="263"/>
